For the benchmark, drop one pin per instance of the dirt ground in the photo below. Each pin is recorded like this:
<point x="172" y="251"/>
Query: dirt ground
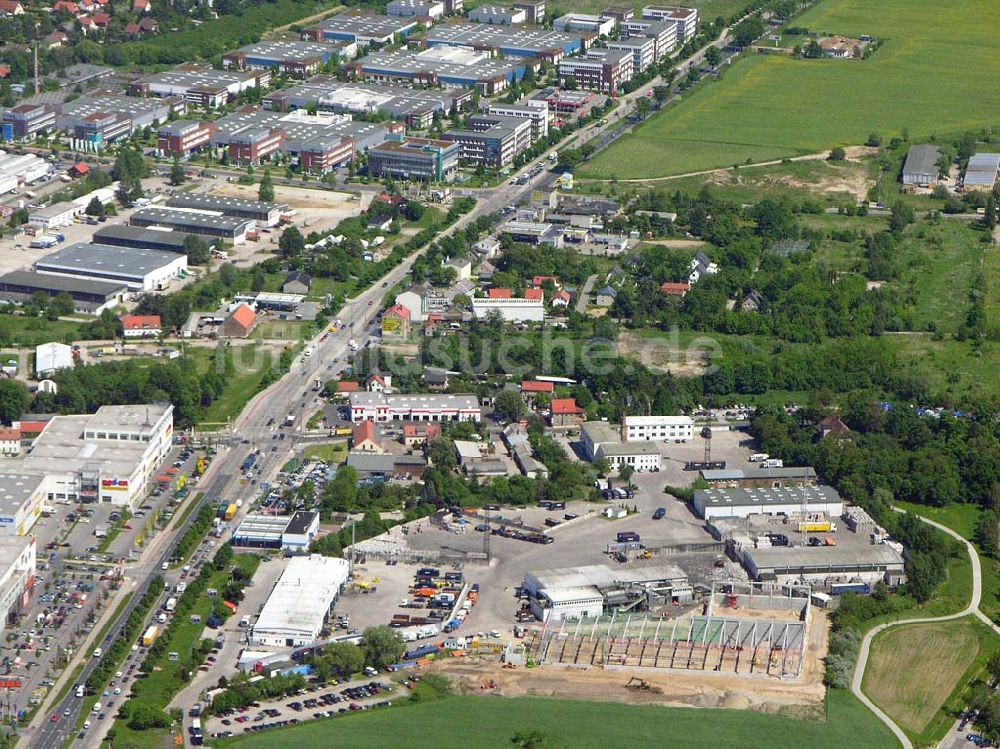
<point x="803" y="697"/>
<point x="661" y="355"/>
<point x="838" y="181"/>
<point x="316" y="209"/>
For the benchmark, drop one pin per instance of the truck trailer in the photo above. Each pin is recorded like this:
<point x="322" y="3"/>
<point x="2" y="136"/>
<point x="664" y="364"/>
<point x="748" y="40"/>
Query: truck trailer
<point x="150" y="635"/>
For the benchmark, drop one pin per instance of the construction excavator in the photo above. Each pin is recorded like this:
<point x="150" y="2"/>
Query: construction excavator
<point x="636" y="683"/>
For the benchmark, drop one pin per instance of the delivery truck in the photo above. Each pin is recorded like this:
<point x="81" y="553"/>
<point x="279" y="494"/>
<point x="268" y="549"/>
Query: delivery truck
<point x="230" y="511"/>
<point x="149" y="636"/>
<point x="171" y="604"/>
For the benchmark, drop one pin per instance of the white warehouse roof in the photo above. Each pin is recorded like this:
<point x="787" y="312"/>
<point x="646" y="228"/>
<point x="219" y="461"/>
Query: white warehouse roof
<point x="300" y="600"/>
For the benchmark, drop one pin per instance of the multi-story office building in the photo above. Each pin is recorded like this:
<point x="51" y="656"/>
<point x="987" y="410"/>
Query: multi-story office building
<point x="425" y="159"/>
<point x="492" y="140"/>
<point x="603" y="70"/>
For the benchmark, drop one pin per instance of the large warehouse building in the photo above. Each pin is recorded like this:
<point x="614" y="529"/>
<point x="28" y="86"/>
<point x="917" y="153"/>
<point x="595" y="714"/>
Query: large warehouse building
<point x="300" y="602"/>
<point x="21" y="499"/>
<point x="265" y="214"/>
<point x="121" y="235"/>
<point x="17" y="575"/>
<point x="588" y="591"/>
<point x="826" y="565"/>
<point x="92" y="297"/>
<point x="788" y="500"/>
<point x="203" y="223"/>
<point x="600" y="440"/>
<point x="138" y="269"/>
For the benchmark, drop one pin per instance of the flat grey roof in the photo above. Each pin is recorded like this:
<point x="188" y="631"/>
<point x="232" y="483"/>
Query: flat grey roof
<point x="982" y="169"/>
<point x="735" y="474"/>
<point x="367" y="26"/>
<point x="415" y="401"/>
<point x="821" y="557"/>
<point x="223" y="203"/>
<point x="54" y="210"/>
<point x="180" y="218"/>
<point x="15" y="488"/>
<point x="922" y="160"/>
<point x="127" y="261"/>
<point x="603" y="576"/>
<point x="290" y="51"/>
<point x="533" y="38"/>
<point x="763" y="496"/>
<point x="46" y="282"/>
<point x="137" y="236"/>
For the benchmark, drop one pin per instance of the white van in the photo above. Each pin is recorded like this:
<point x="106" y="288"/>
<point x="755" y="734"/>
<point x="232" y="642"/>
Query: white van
<point x="98" y="652"/>
<point x="80" y="690"/>
<point x="758" y="457"/>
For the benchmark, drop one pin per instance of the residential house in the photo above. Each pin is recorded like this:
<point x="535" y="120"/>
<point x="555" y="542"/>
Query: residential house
<point x="396" y="321"/>
<point x="752" y="302"/>
<point x="346" y="387"/>
<point x="536" y="295"/>
<point x="561" y="298"/>
<point x="701" y="266"/>
<point x="143" y="6"/>
<point x="365" y="439"/>
<point x="296" y="282"/>
<point x="141" y="326"/>
<point x="420" y="433"/>
<point x="563" y="412"/>
<point x="379" y="223"/>
<point x="537" y="281"/>
<point x="436" y="378"/>
<point x="605" y="297"/>
<point x="462" y="267"/>
<point x="531" y="388"/>
<point x="832" y="425"/>
<point x="239" y="323"/>
<point x="11" y="7"/>
<point x="500" y="294"/>
<point x="675" y="289"/>
<point x="377" y="383"/>
<point x="10" y="441"/>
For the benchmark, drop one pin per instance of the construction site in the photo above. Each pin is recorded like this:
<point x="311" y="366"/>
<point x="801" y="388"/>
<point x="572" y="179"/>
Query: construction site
<point x="749" y="629"/>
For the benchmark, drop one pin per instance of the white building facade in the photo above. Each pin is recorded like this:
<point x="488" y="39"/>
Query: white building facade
<point x="665" y="428"/>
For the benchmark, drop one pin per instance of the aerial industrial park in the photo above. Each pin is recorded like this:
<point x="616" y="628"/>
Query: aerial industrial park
<point x="522" y="371"/>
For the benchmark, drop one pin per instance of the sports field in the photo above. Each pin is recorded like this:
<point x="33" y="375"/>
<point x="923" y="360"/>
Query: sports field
<point x="485" y="723"/>
<point x="929" y="77"/>
<point x="914" y="668"/>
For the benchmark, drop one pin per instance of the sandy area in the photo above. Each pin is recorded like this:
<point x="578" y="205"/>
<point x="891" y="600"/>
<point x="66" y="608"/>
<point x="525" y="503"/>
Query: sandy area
<point x="315" y="209"/>
<point x="680" y="689"/>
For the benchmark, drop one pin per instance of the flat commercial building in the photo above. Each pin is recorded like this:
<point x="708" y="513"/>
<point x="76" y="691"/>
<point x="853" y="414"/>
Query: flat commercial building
<point x="826" y="565"/>
<point x="492" y="140"/>
<point x="21" y="169"/>
<point x="263" y="212"/>
<point x="91" y="297"/>
<point x="665" y="428"/>
<point x="110" y="456"/>
<point x="416" y="107"/>
<point x="297" y="608"/>
<point x="500" y="15"/>
<point x="202" y="223"/>
<point x="290" y="532"/>
<point x="748" y="478"/>
<point x="25" y="121"/>
<point x="318" y="143"/>
<point x="685" y="19"/>
<point x="418" y="8"/>
<point x="424" y="159"/>
<point x="642" y="48"/>
<point x="294" y="58"/>
<point x="183" y="137"/>
<point x="21" y="498"/>
<point x="382" y="407"/>
<point x="451" y="66"/>
<point x="533" y="109"/>
<point x="600" y="25"/>
<point x="509" y="41"/>
<point x="122" y="235"/>
<point x="533" y="232"/>
<point x="603" y="70"/>
<point x="17" y="575"/>
<point x="97" y="119"/>
<point x="663" y="34"/>
<point x="138" y="269"/>
<point x="361" y="28"/>
<point x="51" y="357"/>
<point x="200" y="85"/>
<point x="54" y="216"/>
<point x="600" y="440"/>
<point x="590" y="590"/>
<point x="921" y="167"/>
<point x="514" y="309"/>
<point x="981" y="171"/>
<point x="740" y="503"/>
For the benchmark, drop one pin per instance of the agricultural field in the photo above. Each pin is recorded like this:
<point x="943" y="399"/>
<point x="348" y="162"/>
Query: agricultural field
<point x="478" y="723"/>
<point x="771" y="107"/>
<point x="933" y="657"/>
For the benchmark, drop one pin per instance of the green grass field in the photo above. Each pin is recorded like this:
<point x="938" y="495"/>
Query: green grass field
<point x="478" y="723"/>
<point x="928" y="77"/>
<point x="333" y="452"/>
<point x="242" y="380"/>
<point x="914" y="668"/>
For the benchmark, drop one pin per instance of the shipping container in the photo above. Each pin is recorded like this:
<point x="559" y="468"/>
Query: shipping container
<point x="841" y="588"/>
<point x="819" y="526"/>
